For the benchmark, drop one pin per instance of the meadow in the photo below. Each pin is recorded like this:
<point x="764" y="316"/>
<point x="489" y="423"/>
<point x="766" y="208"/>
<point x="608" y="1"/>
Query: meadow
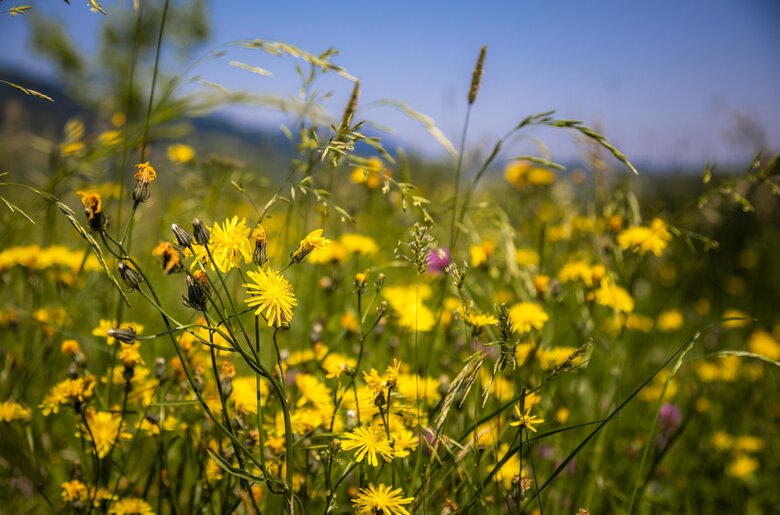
<point x="350" y="329"/>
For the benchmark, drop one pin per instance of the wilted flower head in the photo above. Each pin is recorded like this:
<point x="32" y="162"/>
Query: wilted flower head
<point x="171" y="256"/>
<point x="145" y="174"/>
<point x="93" y="208"/>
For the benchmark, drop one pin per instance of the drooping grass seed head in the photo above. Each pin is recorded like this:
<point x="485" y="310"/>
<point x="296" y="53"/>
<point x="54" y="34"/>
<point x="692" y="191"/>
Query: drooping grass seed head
<point x="200" y="231"/>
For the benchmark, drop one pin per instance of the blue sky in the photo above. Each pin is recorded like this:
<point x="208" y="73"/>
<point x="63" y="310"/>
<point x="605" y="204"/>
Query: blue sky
<point x="664" y="80"/>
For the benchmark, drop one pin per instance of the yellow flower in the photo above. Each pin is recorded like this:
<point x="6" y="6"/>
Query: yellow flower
<point x="359" y="244"/>
<point x="641" y="240"/>
<point x="526" y="419"/>
<point x="131" y="506"/>
<point x="576" y="271"/>
<point x="372" y="174"/>
<point x="407" y="302"/>
<point x="313" y="240"/>
<point x="92" y="203"/>
<point x="381" y="499"/>
<point x="110" y="138"/>
<point x="171" y="256"/>
<point x="637" y="322"/>
<point x="229" y="245"/>
<point x="556" y="356"/>
<point x="244" y="394"/>
<point x="10" y="411"/>
<point x="615" y="297"/>
<point x="74" y="490"/>
<point x="273" y="295"/>
<point x="64" y="392"/>
<point x="527" y="257"/>
<point x="511" y="468"/>
<point x="722" y="441"/>
<point x="481" y="253"/>
<point x="764" y="344"/>
<point x="747" y="443"/>
<point x="670" y="320"/>
<point x="522" y="173"/>
<point x="129" y="355"/>
<point x="180" y="153"/>
<point x="70" y="347"/>
<point x="68" y="149"/>
<point x="369" y="441"/>
<point x="479" y="320"/>
<point x="145" y="173"/>
<point x="526" y="316"/>
<point x="104" y="429"/>
<point x="742" y="466"/>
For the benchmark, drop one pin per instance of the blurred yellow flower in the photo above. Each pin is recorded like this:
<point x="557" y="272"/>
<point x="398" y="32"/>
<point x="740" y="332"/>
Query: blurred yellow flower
<point x="763" y="343"/>
<point x="612" y="296"/>
<point x="670" y="320"/>
<point x="273" y="295"/>
<point x="10" y="411"/>
<point x="180" y="153"/>
<point x="526" y="316"/>
<point x="641" y="240"/>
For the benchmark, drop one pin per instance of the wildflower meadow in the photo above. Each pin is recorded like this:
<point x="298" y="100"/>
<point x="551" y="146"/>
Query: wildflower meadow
<point x="344" y="327"/>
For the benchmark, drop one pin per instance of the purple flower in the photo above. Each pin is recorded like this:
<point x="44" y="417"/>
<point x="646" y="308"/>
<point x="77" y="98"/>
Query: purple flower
<point x="438" y="260"/>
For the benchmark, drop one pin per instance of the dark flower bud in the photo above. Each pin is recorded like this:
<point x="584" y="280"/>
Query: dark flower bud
<point x="182" y="237"/>
<point x="123" y="334"/>
<point x="201" y="232"/>
<point x="129" y="275"/>
<point x="197" y="291"/>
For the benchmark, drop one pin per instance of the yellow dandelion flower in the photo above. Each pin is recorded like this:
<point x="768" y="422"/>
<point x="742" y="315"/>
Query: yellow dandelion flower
<point x="480" y="254"/>
<point x="615" y="297"/>
<point x="407" y="302"/>
<point x="382" y="499"/>
<point x="10" y="411"/>
<point x="764" y="344"/>
<point x="313" y="240"/>
<point x="104" y="429"/>
<point x="229" y="245"/>
<point x="576" y="271"/>
<point x="180" y="153"/>
<point x="670" y="320"/>
<point x="527" y="257"/>
<point x="526" y="419"/>
<point x="641" y="240"/>
<point x="92" y="202"/>
<point x="742" y="466"/>
<point x="145" y="173"/>
<point x="273" y="295"/>
<point x="131" y="506"/>
<point x="526" y="316"/>
<point x="67" y="391"/>
<point x="110" y="138"/>
<point x="359" y="244"/>
<point x="70" y="347"/>
<point x="369" y="441"/>
<point x="74" y="490"/>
